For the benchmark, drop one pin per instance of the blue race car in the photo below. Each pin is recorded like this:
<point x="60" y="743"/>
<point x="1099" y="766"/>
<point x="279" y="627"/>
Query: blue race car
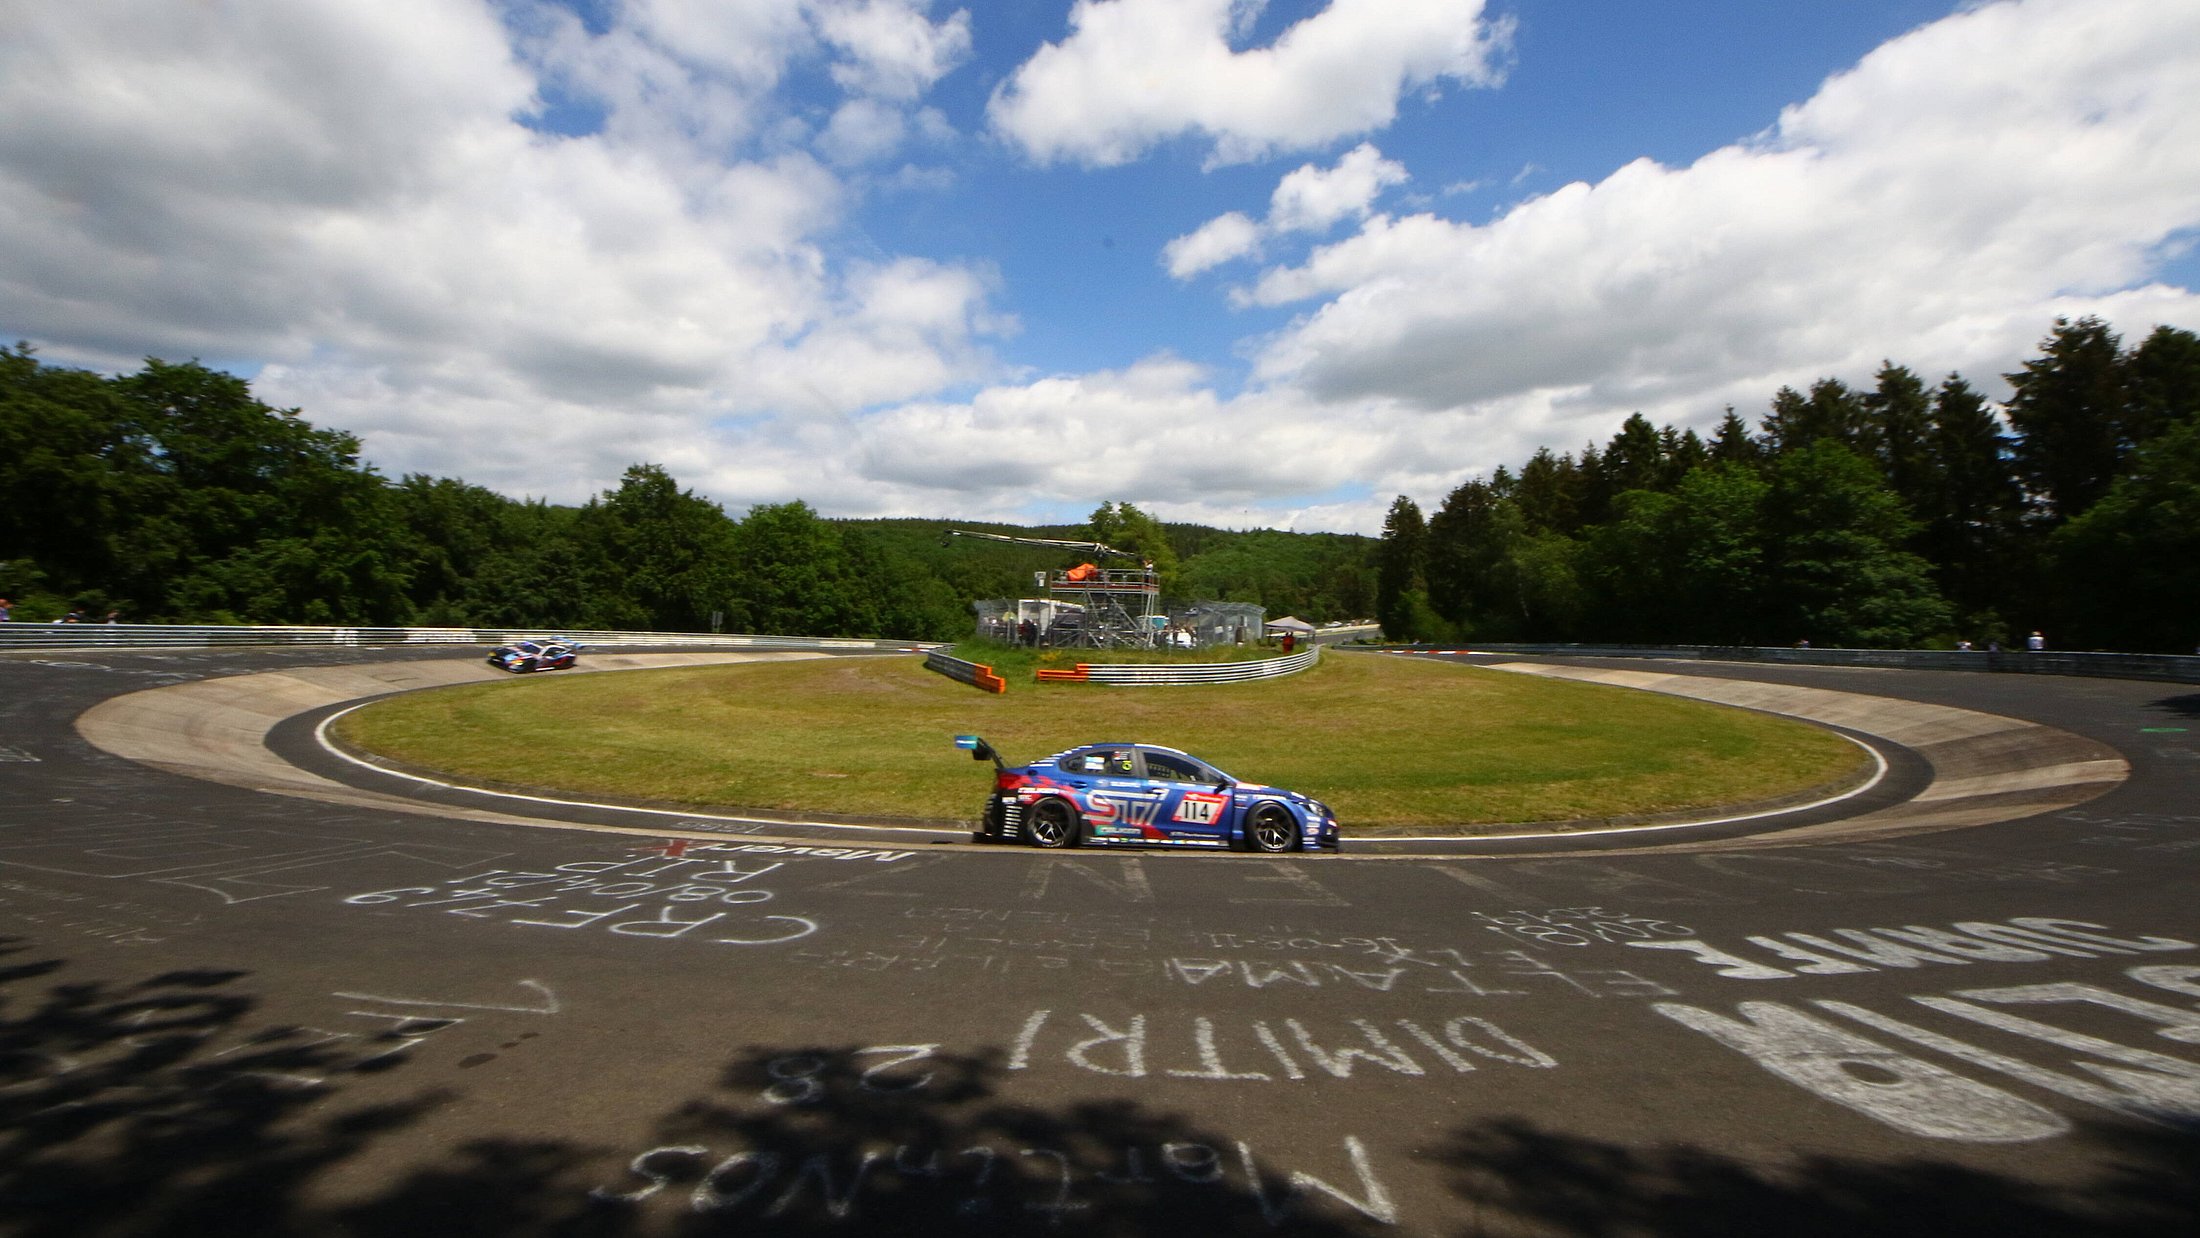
<point x="523" y="656"/>
<point x="1143" y="795"/>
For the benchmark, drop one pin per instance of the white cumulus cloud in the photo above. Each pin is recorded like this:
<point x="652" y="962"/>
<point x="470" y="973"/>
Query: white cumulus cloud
<point x="1938" y="205"/>
<point x="1308" y="199"/>
<point x="1136" y="73"/>
<point x="349" y="198"/>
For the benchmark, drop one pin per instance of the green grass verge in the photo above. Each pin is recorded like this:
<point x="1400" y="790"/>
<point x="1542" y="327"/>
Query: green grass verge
<point x="1392" y="744"/>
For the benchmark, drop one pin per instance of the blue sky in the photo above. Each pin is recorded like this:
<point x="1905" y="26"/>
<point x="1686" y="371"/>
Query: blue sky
<point x="1589" y="87"/>
<point x="1247" y="263"/>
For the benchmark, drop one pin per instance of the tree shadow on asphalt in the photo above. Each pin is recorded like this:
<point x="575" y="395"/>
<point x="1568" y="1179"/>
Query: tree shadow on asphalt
<point x="166" y="1107"/>
<point x="2183" y="706"/>
<point x="156" y="1107"/>
<point x="1517" y="1178"/>
<point x="825" y="1139"/>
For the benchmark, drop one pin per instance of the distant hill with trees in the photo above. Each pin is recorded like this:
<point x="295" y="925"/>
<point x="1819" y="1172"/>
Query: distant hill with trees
<point x="174" y="495"/>
<point x="1905" y="513"/>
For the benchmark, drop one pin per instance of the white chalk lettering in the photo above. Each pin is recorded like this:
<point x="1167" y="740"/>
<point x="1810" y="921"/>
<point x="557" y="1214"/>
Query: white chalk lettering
<point x="2176" y="977"/>
<point x="1124" y="1048"/>
<point x="1732" y="966"/>
<point x="1050" y="1182"/>
<point x="1844" y="952"/>
<point x="2177" y="1023"/>
<point x="1275" y="1207"/>
<point x="1383" y="1053"/>
<point x="1210" y="1060"/>
<point x="1132" y="1038"/>
<point x="1020" y="1056"/>
<point x="2139" y="1097"/>
<point x="641" y="1167"/>
<point x="1881" y="1083"/>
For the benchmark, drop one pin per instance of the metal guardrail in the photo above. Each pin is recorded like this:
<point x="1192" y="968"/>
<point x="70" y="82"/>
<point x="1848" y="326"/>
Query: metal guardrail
<point x="71" y="636"/>
<point x="2168" y="668"/>
<point x="1135" y="675"/>
<point x="976" y="674"/>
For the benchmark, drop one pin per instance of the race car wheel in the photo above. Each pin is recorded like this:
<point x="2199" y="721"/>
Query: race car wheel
<point x="1052" y="823"/>
<point x="1271" y="829"/>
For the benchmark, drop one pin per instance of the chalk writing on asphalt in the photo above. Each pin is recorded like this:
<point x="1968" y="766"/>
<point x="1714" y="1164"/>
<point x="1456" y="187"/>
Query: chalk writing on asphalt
<point x="1509" y="961"/>
<point x="699" y="893"/>
<point x="1966" y="1065"/>
<point x="989" y="1185"/>
<point x="1852" y="951"/>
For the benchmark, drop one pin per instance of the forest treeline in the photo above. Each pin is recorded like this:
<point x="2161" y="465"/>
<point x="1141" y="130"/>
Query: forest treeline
<point x="174" y="495"/>
<point x="1902" y="515"/>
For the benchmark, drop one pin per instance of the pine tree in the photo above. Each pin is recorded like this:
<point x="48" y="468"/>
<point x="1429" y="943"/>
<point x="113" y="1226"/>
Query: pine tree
<point x="1732" y="442"/>
<point x="1902" y="426"/>
<point x="2163" y="383"/>
<point x="1401" y="586"/>
<point x="2068" y="412"/>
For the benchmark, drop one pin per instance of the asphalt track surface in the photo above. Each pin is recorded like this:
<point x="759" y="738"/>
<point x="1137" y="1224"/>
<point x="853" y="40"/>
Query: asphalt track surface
<point x="290" y="1002"/>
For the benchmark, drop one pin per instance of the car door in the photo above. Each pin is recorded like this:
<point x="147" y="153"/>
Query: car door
<point x="1118" y="803"/>
<point x="1194" y="799"/>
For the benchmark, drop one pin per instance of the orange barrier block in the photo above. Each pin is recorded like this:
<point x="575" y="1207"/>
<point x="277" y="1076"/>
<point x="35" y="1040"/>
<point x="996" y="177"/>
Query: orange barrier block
<point x="1076" y="676"/>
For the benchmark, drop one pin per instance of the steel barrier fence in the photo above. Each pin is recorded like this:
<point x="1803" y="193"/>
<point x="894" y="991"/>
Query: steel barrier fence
<point x="1135" y="675"/>
<point x="2168" y="668"/>
<point x="78" y="636"/>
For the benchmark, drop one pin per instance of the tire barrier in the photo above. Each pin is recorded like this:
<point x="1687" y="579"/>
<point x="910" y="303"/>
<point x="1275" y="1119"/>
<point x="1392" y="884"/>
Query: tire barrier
<point x="976" y="674"/>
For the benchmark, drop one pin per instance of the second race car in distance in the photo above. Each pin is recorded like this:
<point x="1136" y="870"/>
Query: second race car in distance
<point x="1143" y="795"/>
<point x="523" y="656"/>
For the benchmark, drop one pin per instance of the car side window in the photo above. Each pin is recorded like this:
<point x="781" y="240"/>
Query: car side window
<point x="1084" y="761"/>
<point x="1165" y="768"/>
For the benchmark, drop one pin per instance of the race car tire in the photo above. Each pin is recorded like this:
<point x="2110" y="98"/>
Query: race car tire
<point x="1052" y="824"/>
<point x="1271" y="829"/>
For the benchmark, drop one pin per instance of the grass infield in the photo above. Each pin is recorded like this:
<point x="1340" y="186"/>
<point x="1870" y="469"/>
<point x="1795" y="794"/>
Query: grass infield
<point x="1394" y="745"/>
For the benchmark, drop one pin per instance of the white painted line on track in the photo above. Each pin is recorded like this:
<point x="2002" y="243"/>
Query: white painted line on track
<point x="321" y="737"/>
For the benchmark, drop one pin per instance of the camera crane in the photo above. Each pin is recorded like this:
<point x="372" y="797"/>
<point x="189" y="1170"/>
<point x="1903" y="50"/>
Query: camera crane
<point x="1122" y="605"/>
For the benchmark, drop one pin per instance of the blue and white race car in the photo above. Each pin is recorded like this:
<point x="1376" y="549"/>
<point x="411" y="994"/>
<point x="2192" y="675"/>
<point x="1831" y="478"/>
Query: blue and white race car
<point x="523" y="656"/>
<point x="1143" y="795"/>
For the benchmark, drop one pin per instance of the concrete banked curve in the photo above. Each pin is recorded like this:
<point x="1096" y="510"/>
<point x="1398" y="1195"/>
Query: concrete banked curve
<point x="217" y="729"/>
<point x="1985" y="767"/>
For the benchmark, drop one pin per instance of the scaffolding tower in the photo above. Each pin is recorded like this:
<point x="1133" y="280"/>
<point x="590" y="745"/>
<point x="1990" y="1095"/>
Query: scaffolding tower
<point x="1116" y="607"/>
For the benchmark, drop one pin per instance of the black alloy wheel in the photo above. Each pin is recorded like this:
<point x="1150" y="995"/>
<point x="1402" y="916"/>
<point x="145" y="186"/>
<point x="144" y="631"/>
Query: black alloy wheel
<point x="1271" y="829"/>
<point x="1052" y="823"/>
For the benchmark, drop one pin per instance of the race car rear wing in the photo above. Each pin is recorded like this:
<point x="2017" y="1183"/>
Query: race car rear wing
<point x="980" y="750"/>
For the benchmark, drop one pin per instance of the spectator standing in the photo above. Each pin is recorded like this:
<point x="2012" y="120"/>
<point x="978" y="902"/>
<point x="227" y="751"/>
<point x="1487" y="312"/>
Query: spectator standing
<point x="2035" y="643"/>
<point x="7" y="611"/>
